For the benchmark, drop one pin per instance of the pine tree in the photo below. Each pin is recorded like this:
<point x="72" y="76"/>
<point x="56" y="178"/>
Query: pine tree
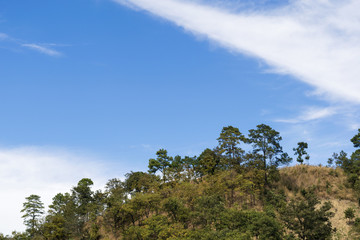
<point x="300" y="151"/>
<point x="33" y="209"/>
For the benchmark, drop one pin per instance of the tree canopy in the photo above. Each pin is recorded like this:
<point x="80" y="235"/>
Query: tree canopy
<point x="224" y="193"/>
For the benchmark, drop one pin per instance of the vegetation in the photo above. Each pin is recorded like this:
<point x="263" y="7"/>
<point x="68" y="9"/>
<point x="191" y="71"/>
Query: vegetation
<point x="349" y="214"/>
<point x="300" y="151"/>
<point x="224" y="193"/>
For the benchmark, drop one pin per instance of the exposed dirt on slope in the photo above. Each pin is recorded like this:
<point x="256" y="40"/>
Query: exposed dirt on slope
<point x="329" y="185"/>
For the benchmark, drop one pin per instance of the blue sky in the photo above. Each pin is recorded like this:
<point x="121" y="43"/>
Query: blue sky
<point x="94" y="88"/>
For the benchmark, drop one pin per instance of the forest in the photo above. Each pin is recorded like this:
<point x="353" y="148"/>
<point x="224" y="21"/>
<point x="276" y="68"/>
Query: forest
<point x="224" y="193"/>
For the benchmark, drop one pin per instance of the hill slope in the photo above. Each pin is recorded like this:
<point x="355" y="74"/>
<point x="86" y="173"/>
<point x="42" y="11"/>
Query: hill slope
<point x="329" y="185"/>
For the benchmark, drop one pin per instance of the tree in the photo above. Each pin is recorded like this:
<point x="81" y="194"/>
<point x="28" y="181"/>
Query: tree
<point x="300" y="151"/>
<point x="351" y="165"/>
<point x="208" y="162"/>
<point x="349" y="214"/>
<point x="355" y="156"/>
<point x="83" y="195"/>
<point x="176" y="209"/>
<point x="266" y="143"/>
<point x="341" y="160"/>
<point x="356" y="140"/>
<point x="307" y="220"/>
<point x="161" y="163"/>
<point x="33" y="209"/>
<point x="189" y="167"/>
<point x="55" y="228"/>
<point x="330" y="162"/>
<point x="230" y="138"/>
<point x="176" y="168"/>
<point x="116" y="193"/>
<point x="83" y="199"/>
<point x="140" y="182"/>
<point x="62" y="220"/>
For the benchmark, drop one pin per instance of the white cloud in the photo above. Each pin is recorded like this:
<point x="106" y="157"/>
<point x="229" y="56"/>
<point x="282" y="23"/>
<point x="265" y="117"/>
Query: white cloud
<point x="42" y="171"/>
<point x="42" y="49"/>
<point x="310" y="114"/>
<point x="317" y="41"/>
<point x="3" y="36"/>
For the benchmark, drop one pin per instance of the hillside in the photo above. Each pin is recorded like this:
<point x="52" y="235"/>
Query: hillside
<point x="330" y="185"/>
<point x="223" y="194"/>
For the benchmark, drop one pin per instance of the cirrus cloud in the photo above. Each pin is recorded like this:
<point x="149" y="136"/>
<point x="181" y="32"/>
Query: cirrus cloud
<point x="42" y="49"/>
<point x="46" y="49"/>
<point x="318" y="41"/>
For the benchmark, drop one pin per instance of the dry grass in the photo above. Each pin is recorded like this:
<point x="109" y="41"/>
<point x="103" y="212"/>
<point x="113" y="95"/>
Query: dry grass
<point x="328" y="183"/>
<point x="339" y="222"/>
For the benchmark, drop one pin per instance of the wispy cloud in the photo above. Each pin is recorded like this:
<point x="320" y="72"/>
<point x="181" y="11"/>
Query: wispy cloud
<point x="47" y="49"/>
<point x="3" y="36"/>
<point x="42" y="49"/>
<point x="310" y="114"/>
<point x="317" y="41"/>
<point x="41" y="171"/>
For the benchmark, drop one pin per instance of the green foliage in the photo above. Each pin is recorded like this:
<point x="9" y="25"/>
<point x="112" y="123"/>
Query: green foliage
<point x="176" y="209"/>
<point x="300" y="151"/>
<point x="115" y="199"/>
<point x="208" y="162"/>
<point x="351" y="165"/>
<point x="266" y="144"/>
<point x="349" y="214"/>
<point x="229" y="140"/>
<point x="255" y="224"/>
<point x="225" y="193"/>
<point x="161" y="163"/>
<point x="33" y="209"/>
<point x="83" y="196"/>
<point x="266" y="227"/>
<point x="20" y="236"/>
<point x="307" y="220"/>
<point x="356" y="140"/>
<point x="54" y="227"/>
<point x="137" y="182"/>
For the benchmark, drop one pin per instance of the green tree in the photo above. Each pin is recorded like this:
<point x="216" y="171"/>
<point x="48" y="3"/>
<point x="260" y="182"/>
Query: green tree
<point x="355" y="156"/>
<point x="349" y="214"/>
<point x="59" y="203"/>
<point x="83" y="199"/>
<point x="265" y="227"/>
<point x="351" y="165"/>
<point x="137" y="182"/>
<point x="266" y="144"/>
<point x="161" y="163"/>
<point x="341" y="160"/>
<point x="83" y="196"/>
<point x="208" y="162"/>
<point x="62" y="219"/>
<point x="189" y="168"/>
<point x="55" y="228"/>
<point x="207" y="210"/>
<point x="229" y="140"/>
<point x="356" y="140"/>
<point x="305" y="219"/>
<point x="63" y="207"/>
<point x="300" y="151"/>
<point x="176" y="209"/>
<point x="116" y="196"/>
<point x="176" y="168"/>
<point x="19" y="236"/>
<point x="33" y="209"/>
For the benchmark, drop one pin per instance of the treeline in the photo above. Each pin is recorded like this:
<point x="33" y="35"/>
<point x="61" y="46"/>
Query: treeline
<point x="225" y="193"/>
